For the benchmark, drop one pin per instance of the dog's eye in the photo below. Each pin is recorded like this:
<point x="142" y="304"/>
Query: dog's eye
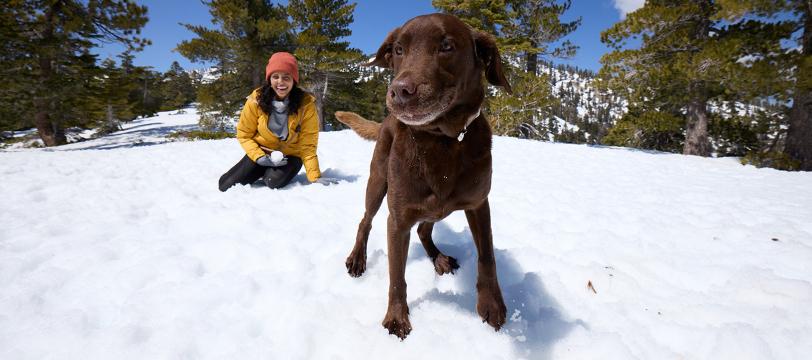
<point x="398" y="50"/>
<point x="446" y="46"/>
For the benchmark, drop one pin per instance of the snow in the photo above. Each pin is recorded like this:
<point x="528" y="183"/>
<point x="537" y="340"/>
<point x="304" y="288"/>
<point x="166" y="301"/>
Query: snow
<point x="571" y="86"/>
<point x="206" y="75"/>
<point x="276" y="156"/>
<point x="123" y="248"/>
<point x="140" y="132"/>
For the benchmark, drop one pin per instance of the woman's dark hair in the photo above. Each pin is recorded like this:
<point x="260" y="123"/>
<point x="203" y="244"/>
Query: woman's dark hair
<point x="267" y="94"/>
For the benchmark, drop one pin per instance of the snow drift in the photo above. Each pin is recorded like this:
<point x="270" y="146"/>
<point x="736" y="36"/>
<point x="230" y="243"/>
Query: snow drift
<point x="123" y="248"/>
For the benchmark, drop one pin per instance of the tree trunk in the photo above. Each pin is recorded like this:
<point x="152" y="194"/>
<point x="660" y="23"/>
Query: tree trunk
<point x="112" y="123"/>
<point x="321" y="94"/>
<point x="532" y="60"/>
<point x="50" y="130"/>
<point x="696" y="136"/>
<point x="42" y="118"/>
<point x="258" y="77"/>
<point x="799" y="134"/>
<point x="42" y="122"/>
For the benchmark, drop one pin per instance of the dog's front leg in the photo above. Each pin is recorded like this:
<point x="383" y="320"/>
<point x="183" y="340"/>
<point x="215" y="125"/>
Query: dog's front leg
<point x="356" y="262"/>
<point x="397" y="314"/>
<point x="489" y="304"/>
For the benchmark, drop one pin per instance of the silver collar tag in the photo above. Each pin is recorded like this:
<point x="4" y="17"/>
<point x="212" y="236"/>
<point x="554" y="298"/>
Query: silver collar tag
<point x="470" y="120"/>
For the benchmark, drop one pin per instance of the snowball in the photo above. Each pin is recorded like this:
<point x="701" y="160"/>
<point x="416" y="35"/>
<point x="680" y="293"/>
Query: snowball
<point x="277" y="156"/>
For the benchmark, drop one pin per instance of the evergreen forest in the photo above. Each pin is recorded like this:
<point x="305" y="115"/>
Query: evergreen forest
<point x="699" y="77"/>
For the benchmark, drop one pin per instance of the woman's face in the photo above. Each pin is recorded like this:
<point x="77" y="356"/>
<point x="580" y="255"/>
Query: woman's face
<point x="281" y="82"/>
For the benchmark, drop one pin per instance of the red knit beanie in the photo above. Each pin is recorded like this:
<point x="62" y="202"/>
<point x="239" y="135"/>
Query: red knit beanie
<point x="282" y="62"/>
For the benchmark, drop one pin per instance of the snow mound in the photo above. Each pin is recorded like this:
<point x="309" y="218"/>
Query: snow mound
<point x="123" y="248"/>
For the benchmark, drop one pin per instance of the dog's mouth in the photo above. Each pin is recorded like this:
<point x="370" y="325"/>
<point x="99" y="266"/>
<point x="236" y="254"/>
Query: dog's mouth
<point x="417" y="119"/>
<point x="423" y="112"/>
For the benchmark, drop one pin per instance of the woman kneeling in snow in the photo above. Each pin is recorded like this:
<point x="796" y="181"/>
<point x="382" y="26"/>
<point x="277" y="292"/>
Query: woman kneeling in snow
<point x="278" y="129"/>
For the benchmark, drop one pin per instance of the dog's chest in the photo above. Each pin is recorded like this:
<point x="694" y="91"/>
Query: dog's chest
<point x="439" y="166"/>
<point x="437" y="175"/>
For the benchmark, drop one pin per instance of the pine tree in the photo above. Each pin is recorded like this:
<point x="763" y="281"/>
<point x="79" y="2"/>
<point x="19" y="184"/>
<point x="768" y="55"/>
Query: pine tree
<point x="484" y="15"/>
<point x="112" y="97"/>
<point x="371" y="97"/>
<point x="364" y="94"/>
<point x="144" y="83"/>
<point x="799" y="134"/>
<point x="645" y="129"/>
<point x="248" y="32"/>
<point x="524" y="115"/>
<point x="525" y="30"/>
<point x="51" y="42"/>
<point x="177" y="88"/>
<point x="537" y="26"/>
<point x="690" y="54"/>
<point x="323" y="58"/>
<point x="15" y="97"/>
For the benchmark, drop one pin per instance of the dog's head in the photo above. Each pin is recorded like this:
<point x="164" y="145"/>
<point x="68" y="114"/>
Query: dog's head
<point x="438" y="63"/>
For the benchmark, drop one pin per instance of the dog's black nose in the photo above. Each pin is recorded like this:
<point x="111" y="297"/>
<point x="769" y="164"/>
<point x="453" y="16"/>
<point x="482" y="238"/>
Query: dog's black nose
<point x="403" y="91"/>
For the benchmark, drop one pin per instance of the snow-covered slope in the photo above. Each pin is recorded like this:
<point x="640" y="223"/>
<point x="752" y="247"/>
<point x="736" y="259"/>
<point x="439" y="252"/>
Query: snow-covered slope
<point x="585" y="111"/>
<point x="115" y="251"/>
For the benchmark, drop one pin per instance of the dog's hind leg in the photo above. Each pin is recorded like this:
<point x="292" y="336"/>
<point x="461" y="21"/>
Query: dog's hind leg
<point x="489" y="304"/>
<point x="442" y="264"/>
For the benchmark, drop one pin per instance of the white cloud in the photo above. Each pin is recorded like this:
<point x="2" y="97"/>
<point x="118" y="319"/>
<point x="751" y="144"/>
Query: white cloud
<point x="627" y="6"/>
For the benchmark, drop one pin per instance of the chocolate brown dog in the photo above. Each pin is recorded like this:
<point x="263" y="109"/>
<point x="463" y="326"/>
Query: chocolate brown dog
<point x="433" y="154"/>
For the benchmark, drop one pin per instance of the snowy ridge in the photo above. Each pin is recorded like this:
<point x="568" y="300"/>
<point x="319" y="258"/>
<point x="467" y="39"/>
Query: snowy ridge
<point x="583" y="93"/>
<point x="129" y="251"/>
<point x="205" y="75"/>
<point x="582" y="102"/>
<point x="586" y="107"/>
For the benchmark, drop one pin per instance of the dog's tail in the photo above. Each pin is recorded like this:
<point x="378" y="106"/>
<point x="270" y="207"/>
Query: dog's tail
<point x="367" y="129"/>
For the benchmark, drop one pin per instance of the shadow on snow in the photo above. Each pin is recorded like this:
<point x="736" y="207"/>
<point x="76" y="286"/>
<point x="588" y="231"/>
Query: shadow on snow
<point x="534" y="322"/>
<point x="301" y="179"/>
<point x="133" y="137"/>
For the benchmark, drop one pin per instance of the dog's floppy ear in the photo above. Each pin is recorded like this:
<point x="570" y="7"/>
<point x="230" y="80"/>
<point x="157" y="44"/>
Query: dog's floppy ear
<point x="488" y="53"/>
<point x="383" y="57"/>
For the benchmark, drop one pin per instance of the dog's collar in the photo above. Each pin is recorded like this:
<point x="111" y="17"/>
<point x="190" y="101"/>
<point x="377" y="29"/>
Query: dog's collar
<point x="470" y="120"/>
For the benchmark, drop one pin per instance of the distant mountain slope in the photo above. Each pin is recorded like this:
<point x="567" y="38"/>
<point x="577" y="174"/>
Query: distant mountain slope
<point x="586" y="113"/>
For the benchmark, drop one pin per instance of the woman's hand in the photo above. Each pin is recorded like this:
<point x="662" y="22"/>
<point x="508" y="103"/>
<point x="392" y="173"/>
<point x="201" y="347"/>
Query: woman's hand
<point x="326" y="181"/>
<point x="274" y="159"/>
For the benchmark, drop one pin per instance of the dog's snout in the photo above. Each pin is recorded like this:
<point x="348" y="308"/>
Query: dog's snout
<point x="403" y="91"/>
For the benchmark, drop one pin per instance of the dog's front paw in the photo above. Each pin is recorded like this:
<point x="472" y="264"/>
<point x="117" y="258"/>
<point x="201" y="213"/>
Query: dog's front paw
<point x="397" y="321"/>
<point x="491" y="307"/>
<point x="356" y="263"/>
<point x="445" y="264"/>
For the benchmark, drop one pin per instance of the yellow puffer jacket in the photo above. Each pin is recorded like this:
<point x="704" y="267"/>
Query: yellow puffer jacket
<point x="303" y="133"/>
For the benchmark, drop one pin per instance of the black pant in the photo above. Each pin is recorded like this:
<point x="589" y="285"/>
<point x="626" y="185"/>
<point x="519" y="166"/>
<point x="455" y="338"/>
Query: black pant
<point x="246" y="171"/>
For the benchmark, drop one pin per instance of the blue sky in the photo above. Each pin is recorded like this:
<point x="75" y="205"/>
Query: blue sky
<point x="373" y="20"/>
